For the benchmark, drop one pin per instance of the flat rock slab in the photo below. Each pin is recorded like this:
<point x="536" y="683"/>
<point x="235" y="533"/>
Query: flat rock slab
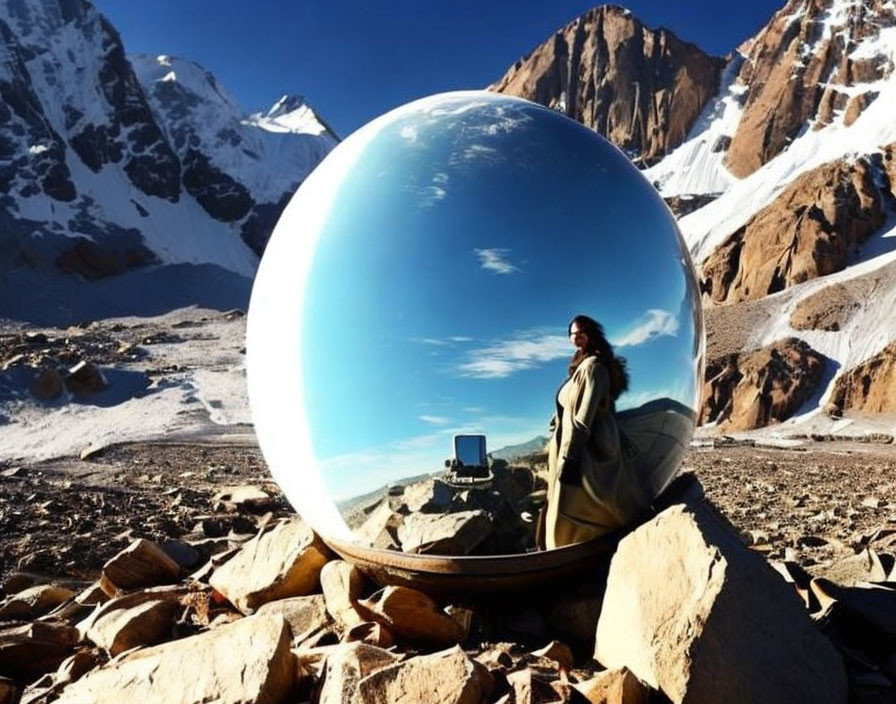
<point x="444" y="534"/>
<point x="34" y="602"/>
<point x="446" y="677"/>
<point x="246" y="661"/>
<point x="284" y="562"/>
<point x="306" y="615"/>
<point x="141" y="564"/>
<point x="118" y="630"/>
<point x="692" y="612"/>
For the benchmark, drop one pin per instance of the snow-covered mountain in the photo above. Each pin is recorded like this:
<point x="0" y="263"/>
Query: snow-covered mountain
<point x="784" y="184"/>
<point x="112" y="164"/>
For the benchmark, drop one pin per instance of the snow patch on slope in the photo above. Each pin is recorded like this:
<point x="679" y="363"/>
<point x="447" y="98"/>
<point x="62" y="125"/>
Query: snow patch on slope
<point x="697" y="167"/>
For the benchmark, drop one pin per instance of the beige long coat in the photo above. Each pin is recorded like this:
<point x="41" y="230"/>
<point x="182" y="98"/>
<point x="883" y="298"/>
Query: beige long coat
<point x="590" y="491"/>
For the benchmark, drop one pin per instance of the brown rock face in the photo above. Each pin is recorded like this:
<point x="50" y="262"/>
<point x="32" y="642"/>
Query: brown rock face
<point x="640" y="88"/>
<point x="868" y="388"/>
<point x="796" y="69"/>
<point x="806" y="232"/>
<point x="752" y="389"/>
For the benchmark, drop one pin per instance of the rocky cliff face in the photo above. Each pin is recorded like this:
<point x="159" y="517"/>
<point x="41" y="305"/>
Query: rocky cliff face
<point x="642" y="89"/>
<point x="752" y="389"/>
<point x="805" y="68"/>
<point x="104" y="168"/>
<point x="867" y="388"/>
<point x="810" y="230"/>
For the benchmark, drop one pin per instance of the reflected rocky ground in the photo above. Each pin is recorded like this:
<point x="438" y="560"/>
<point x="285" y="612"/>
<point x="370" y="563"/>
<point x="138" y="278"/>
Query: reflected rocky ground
<point x="431" y="516"/>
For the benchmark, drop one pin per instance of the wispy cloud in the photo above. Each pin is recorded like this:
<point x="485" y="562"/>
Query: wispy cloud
<point x="526" y="350"/>
<point x="654" y="323"/>
<point x="409" y="132"/>
<point x="494" y="259"/>
<point x="435" y="420"/>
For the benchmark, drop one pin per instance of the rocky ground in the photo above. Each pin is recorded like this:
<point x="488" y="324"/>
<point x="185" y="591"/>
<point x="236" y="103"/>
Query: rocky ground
<point x="823" y="511"/>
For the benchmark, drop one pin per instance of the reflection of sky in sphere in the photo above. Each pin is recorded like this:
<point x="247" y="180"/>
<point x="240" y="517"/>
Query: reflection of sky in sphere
<point x="453" y="255"/>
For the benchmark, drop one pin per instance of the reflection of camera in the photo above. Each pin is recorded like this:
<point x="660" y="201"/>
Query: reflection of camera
<point x="471" y="464"/>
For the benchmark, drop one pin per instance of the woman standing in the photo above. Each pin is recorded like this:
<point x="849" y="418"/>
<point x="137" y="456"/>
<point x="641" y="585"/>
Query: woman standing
<point x="589" y="491"/>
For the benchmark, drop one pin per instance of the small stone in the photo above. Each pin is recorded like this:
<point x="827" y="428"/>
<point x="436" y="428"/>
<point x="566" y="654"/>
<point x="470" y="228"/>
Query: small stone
<point x="85" y="379"/>
<point x="446" y="677"/>
<point x="141" y="564"/>
<point x="370" y="632"/>
<point x="558" y="652"/>
<point x="242" y="498"/>
<point x="342" y="584"/>
<point x="614" y="687"/>
<point x="47" y="385"/>
<point x="34" y="602"/>
<point x="346" y="666"/>
<point x="411" y="614"/>
<point x="529" y="689"/>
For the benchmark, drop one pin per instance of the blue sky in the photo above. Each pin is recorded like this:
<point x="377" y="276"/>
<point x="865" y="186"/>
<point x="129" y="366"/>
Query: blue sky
<point x="450" y="260"/>
<point x="356" y="59"/>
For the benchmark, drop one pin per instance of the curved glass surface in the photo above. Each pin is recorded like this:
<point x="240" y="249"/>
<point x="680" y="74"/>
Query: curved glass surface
<point x="415" y="295"/>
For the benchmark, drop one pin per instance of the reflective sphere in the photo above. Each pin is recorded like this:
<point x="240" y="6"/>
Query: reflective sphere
<point x="415" y="297"/>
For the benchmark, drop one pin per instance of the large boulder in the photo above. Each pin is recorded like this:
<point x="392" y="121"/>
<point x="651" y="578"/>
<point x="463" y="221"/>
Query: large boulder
<point x="693" y="612"/>
<point x="446" y="677"/>
<point x="286" y="561"/>
<point x="246" y="661"/>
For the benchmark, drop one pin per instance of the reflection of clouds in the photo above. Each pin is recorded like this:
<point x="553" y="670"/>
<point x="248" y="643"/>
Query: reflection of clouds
<point x="494" y="260"/>
<point x="430" y="195"/>
<point x="527" y="350"/>
<point x="480" y="151"/>
<point x="409" y="132"/>
<point x="434" y="420"/>
<point x="654" y="323"/>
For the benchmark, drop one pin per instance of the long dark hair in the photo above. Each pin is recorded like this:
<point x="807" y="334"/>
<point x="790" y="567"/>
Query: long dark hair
<point x="599" y="347"/>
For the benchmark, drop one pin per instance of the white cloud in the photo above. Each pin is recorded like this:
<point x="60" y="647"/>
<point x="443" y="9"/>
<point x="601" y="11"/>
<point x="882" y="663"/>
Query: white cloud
<point x="494" y="260"/>
<point x="526" y="351"/>
<point x="654" y="323"/>
<point x="409" y="132"/>
<point x="434" y="420"/>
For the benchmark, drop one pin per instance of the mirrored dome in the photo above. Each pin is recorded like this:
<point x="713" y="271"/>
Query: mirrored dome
<point x="408" y="329"/>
